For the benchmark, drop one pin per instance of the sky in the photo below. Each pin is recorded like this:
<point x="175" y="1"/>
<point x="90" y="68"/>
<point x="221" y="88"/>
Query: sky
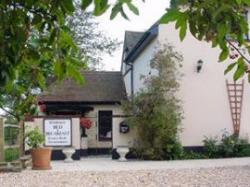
<point x="150" y="12"/>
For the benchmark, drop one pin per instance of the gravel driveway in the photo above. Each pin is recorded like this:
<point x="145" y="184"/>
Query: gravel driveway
<point x="194" y="176"/>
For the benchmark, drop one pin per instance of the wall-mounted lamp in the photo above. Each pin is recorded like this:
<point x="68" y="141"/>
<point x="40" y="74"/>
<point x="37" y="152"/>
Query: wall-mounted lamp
<point x="199" y="65"/>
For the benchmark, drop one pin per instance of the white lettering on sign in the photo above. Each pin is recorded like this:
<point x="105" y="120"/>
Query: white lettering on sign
<point x="57" y="132"/>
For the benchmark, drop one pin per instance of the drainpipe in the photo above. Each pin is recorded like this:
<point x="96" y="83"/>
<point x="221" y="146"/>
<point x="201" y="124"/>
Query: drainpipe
<point x="132" y="80"/>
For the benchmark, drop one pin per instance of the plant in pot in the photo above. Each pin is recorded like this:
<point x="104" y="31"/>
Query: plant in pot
<point x="85" y="123"/>
<point x="40" y="155"/>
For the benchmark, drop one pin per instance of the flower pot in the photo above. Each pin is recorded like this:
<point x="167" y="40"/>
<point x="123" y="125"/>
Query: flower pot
<point x="41" y="158"/>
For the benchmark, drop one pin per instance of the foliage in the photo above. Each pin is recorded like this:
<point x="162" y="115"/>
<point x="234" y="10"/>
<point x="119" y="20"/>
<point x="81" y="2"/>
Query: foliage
<point x="188" y="155"/>
<point x="220" y="22"/>
<point x="210" y="147"/>
<point x="37" y="44"/>
<point x="232" y="146"/>
<point x="34" y="138"/>
<point x="92" y="43"/>
<point x="228" y="146"/>
<point x="11" y="154"/>
<point x="156" y="112"/>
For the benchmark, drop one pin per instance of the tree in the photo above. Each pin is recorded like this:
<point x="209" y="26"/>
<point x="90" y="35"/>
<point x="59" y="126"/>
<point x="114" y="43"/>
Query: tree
<point x="92" y="43"/>
<point x="35" y="44"/>
<point x="156" y="111"/>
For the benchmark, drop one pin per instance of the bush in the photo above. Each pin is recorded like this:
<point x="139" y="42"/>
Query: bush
<point x="229" y="146"/>
<point x="34" y="138"/>
<point x="211" y="148"/>
<point x="156" y="112"/>
<point x="11" y="154"/>
<point x="187" y="155"/>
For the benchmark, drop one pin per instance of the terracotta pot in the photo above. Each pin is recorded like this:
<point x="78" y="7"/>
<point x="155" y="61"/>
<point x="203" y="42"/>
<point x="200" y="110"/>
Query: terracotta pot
<point x="41" y="158"/>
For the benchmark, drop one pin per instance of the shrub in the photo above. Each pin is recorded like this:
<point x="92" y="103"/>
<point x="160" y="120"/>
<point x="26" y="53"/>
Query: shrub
<point x="211" y="148"/>
<point x="156" y="112"/>
<point x="187" y="155"/>
<point x="11" y="154"/>
<point x="34" y="138"/>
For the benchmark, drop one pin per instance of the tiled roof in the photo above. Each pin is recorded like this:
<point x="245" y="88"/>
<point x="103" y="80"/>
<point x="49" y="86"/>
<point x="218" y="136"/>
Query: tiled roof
<point x="98" y="87"/>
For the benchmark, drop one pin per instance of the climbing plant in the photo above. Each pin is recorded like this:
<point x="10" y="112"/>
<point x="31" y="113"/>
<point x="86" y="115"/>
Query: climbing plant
<point x="156" y="111"/>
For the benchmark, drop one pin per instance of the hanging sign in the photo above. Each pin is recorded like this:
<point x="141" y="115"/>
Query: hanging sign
<point x="57" y="132"/>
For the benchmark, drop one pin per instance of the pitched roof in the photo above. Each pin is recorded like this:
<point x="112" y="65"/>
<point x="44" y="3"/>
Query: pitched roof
<point x="98" y="87"/>
<point x="131" y="39"/>
<point x="141" y="42"/>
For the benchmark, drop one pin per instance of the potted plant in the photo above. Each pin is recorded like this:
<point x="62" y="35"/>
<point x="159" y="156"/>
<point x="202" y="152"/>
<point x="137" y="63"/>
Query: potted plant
<point x="85" y="123"/>
<point x="40" y="155"/>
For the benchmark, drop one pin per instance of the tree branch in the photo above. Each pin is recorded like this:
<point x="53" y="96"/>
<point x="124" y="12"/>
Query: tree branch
<point x="10" y="113"/>
<point x="238" y="50"/>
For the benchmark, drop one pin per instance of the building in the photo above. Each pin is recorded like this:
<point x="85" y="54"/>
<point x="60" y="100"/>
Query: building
<point x="98" y="100"/>
<point x="212" y="102"/>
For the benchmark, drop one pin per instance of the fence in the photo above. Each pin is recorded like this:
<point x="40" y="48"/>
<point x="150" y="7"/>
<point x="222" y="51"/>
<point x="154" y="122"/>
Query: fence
<point x="9" y="140"/>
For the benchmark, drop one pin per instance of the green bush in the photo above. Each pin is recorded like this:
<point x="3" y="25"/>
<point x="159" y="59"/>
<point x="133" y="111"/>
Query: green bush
<point x="156" y="112"/>
<point x="211" y="148"/>
<point x="229" y="146"/>
<point x="11" y="154"/>
<point x="187" y="155"/>
<point x="233" y="146"/>
<point x="34" y="138"/>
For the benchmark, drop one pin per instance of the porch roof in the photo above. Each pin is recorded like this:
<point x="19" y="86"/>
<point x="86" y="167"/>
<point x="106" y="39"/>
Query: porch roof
<point x="99" y="87"/>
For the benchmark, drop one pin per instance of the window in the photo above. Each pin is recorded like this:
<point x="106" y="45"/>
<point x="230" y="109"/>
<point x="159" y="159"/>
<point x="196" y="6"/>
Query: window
<point x="105" y="125"/>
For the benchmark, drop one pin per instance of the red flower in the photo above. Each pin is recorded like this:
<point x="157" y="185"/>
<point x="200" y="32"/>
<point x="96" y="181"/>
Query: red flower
<point x="85" y="123"/>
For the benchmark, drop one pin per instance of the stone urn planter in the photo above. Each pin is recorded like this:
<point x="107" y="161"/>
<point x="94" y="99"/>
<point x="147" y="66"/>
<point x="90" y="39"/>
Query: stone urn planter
<point x="68" y="152"/>
<point x="122" y="151"/>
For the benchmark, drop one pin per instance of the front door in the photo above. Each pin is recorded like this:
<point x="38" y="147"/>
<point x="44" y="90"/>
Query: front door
<point x="105" y="126"/>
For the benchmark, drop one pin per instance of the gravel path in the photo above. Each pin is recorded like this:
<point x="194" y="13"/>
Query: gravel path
<point x="222" y="176"/>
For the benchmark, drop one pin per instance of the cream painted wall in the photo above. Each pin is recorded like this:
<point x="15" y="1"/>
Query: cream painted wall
<point x="118" y="138"/>
<point x="204" y="95"/>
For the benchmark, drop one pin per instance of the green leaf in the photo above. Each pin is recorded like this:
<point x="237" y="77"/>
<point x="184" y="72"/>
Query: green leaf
<point x="100" y="7"/>
<point x="75" y="74"/>
<point x="240" y="69"/>
<point x="68" y="5"/>
<point x="238" y="2"/>
<point x="59" y="69"/>
<point x="115" y="10"/>
<point x="85" y="4"/>
<point x="223" y="55"/>
<point x="183" y="31"/>
<point x="247" y="2"/>
<point x="133" y="8"/>
<point x="37" y="19"/>
<point x="171" y="15"/>
<point x="230" y="67"/>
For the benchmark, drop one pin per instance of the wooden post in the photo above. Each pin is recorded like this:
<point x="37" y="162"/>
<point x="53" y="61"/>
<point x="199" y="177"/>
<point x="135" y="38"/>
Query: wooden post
<point x="21" y="138"/>
<point x="1" y="140"/>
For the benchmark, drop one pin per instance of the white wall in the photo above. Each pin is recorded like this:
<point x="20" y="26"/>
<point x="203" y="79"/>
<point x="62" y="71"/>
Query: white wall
<point x="204" y="94"/>
<point x="118" y="138"/>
